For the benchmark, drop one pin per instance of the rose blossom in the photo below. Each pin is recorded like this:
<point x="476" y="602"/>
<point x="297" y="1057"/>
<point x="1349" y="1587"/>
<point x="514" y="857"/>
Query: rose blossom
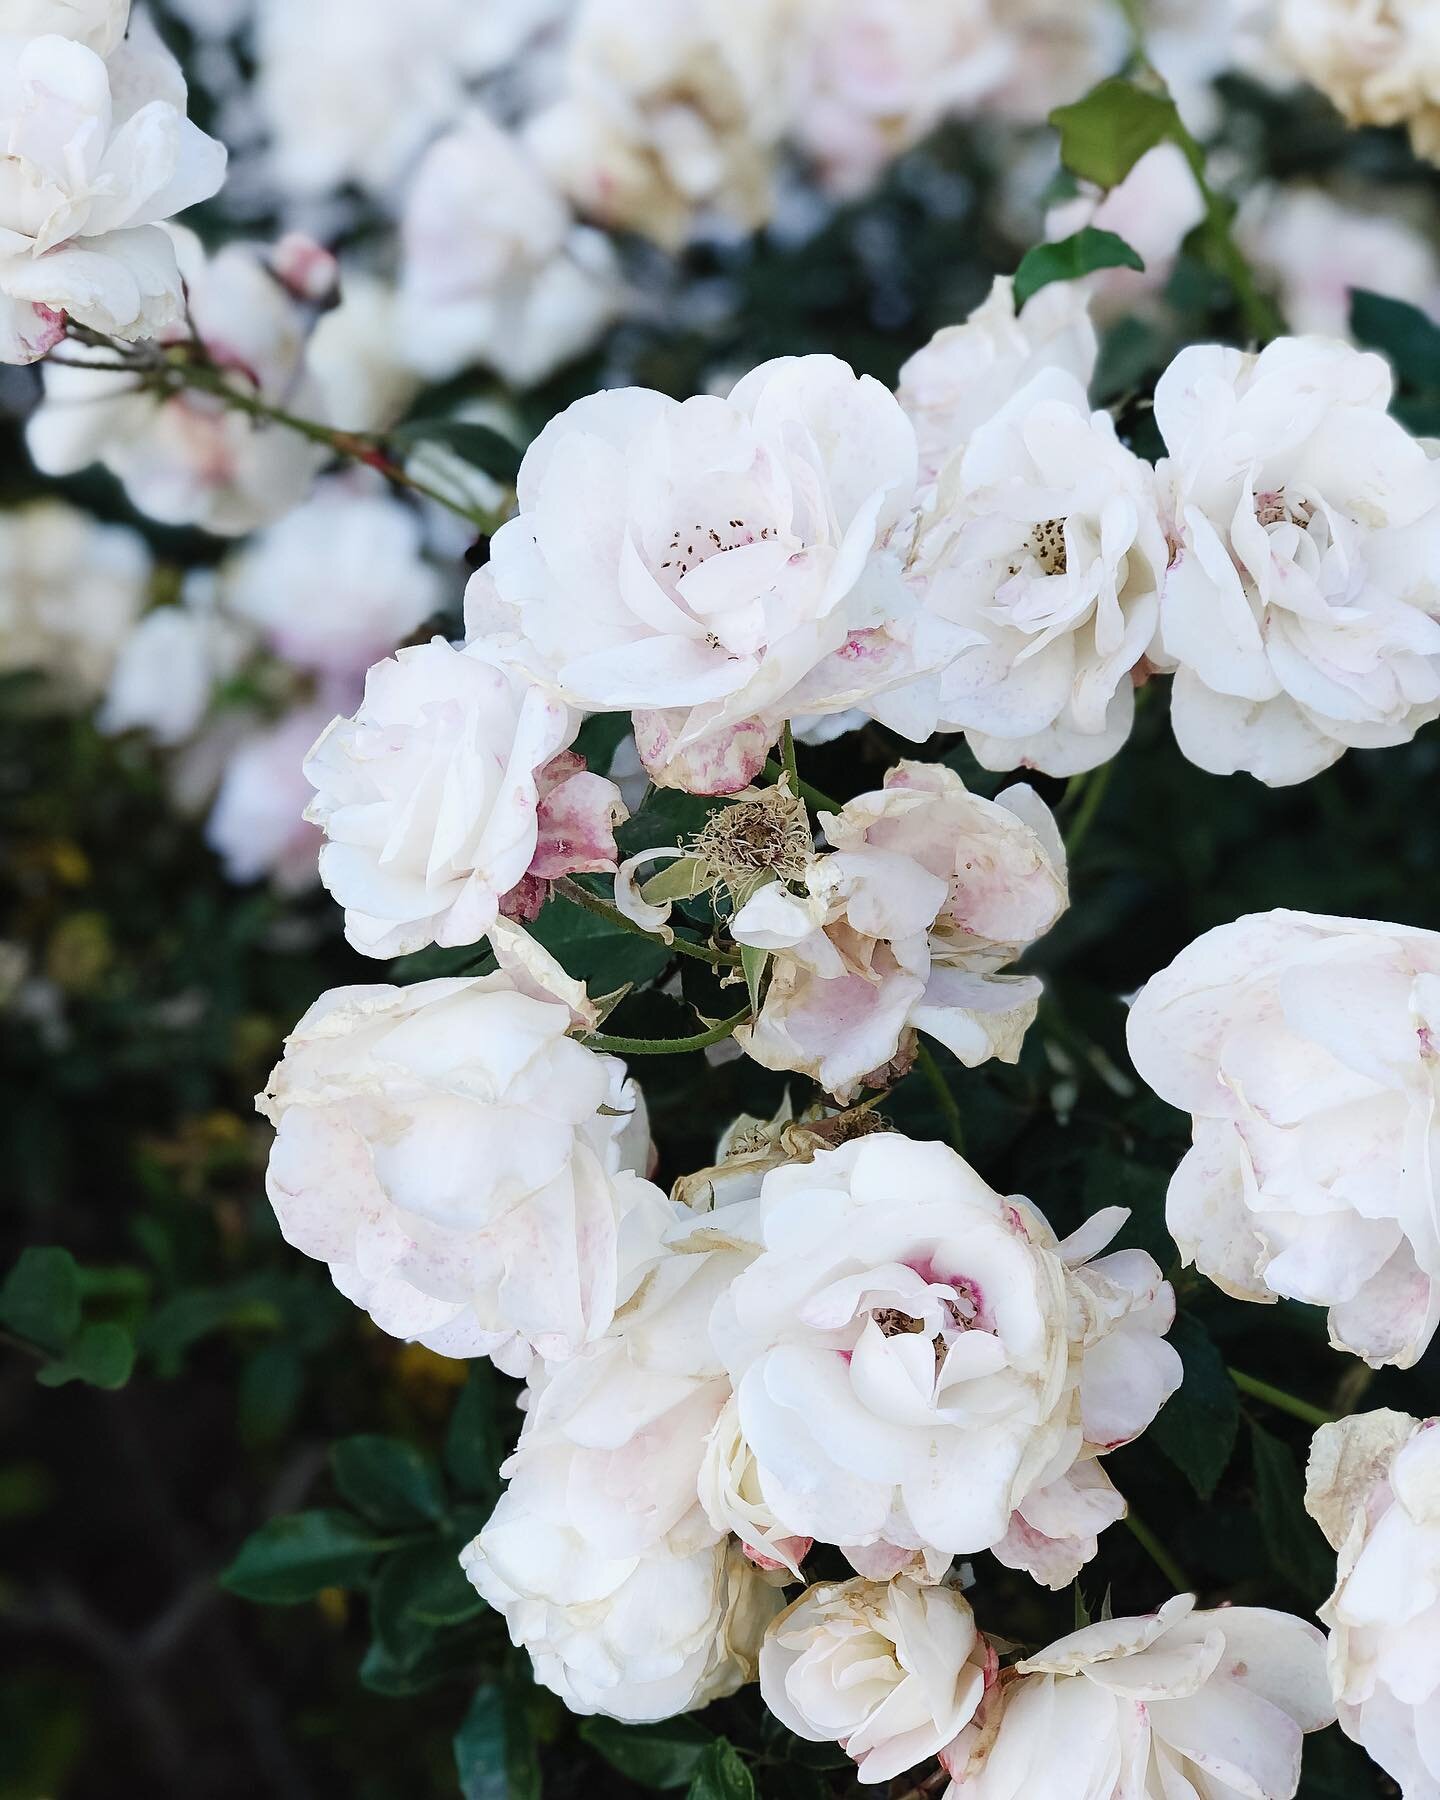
<point x="451" y="795"/>
<point x="338" y="582"/>
<point x="1376" y="61"/>
<point x="1174" y="1703"/>
<point x="967" y="372"/>
<point x="930" y="892"/>
<point x="908" y="1352"/>
<point x="599" y="1554"/>
<point x="1374" y="1488"/>
<point x="257" y="826"/>
<point x="892" y="1674"/>
<point x="464" y="1167"/>
<point x="98" y="152"/>
<point x="189" y="459"/>
<point x="71" y="591"/>
<point x="1044" y="548"/>
<point x="1305" y="1048"/>
<point x="707" y="564"/>
<point x="495" y="268"/>
<point x="169" y="666"/>
<point x="1300" y="604"/>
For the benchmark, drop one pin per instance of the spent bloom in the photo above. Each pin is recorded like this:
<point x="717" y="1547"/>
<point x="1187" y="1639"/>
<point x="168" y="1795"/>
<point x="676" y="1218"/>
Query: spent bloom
<point x="893" y="1673"/>
<point x="1300" y="606"/>
<point x="1305" y="1048"/>
<point x="98" y="152"/>
<point x="708" y="563"/>
<point x="495" y="269"/>
<point x="1373" y="1486"/>
<point x="466" y="1169"/>
<point x="908" y="1351"/>
<point x="1173" y="1703"/>
<point x="929" y="893"/>
<point x="450" y="797"/>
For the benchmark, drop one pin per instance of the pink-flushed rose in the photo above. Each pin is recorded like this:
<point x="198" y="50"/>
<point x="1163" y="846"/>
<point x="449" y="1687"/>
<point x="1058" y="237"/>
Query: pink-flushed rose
<point x="1374" y="1488"/>
<point x="1304" y="1046"/>
<point x="465" y="1168"/>
<point x="450" y="797"/>
<point x="710" y="565"/>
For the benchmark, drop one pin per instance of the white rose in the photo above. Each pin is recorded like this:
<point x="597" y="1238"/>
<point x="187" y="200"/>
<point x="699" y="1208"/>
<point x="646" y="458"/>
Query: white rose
<point x="257" y="826"/>
<point x="892" y="1674"/>
<point x="907" y="1352"/>
<point x="1175" y="1703"/>
<point x="1314" y="250"/>
<point x="463" y="1166"/>
<point x="1153" y="209"/>
<point x="1374" y="1487"/>
<point x="930" y="892"/>
<point x="966" y="373"/>
<point x="71" y="591"/>
<point x="1044" y="546"/>
<point x="449" y="797"/>
<point x="98" y="151"/>
<point x="169" y="666"/>
<point x="190" y="460"/>
<point x="704" y="563"/>
<point x="629" y="1601"/>
<point x="338" y="582"/>
<point x="1305" y="1048"/>
<point x="1379" y="64"/>
<point x="668" y="115"/>
<point x="1300" y="605"/>
<point x="495" y="270"/>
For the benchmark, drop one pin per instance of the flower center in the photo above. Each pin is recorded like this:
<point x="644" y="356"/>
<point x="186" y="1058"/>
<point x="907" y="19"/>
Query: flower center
<point x="1046" y="543"/>
<point x="1272" y="508"/>
<point x="692" y="545"/>
<point x="894" y="1323"/>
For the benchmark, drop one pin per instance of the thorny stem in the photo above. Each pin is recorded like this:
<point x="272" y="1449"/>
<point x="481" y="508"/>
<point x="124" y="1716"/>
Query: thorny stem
<point x="935" y="1075"/>
<point x="1179" y="1581"/>
<point x="810" y="795"/>
<point x="592" y="903"/>
<point x="1280" y="1400"/>
<point x="167" y="371"/>
<point x="639" y="1046"/>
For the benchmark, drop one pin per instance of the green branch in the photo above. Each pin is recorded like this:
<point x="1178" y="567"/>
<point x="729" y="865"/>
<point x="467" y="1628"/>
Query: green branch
<point x="639" y="1046"/>
<point x="1280" y="1400"/>
<point x="602" y="909"/>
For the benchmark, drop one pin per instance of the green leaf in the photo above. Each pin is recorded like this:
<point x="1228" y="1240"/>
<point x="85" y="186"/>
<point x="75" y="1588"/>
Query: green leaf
<point x="753" y="962"/>
<point x="40" y="1300"/>
<point x="479" y="445"/>
<point x="596" y="952"/>
<point x="1069" y="258"/>
<point x="1402" y="333"/>
<point x="495" y="1756"/>
<point x="102" y="1356"/>
<point x="666" y="1755"/>
<point x="1196" y="1427"/>
<point x="388" y="1480"/>
<point x="600" y="737"/>
<point x="292" y="1558"/>
<point x="474" y="1444"/>
<point x="1104" y="135"/>
<point x="722" y="1774"/>
<point x="1296" y="1547"/>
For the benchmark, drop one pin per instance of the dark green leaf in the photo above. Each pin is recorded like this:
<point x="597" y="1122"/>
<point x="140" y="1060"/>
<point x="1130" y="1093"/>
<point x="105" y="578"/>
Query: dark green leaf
<point x="102" y="1356"/>
<point x="1196" y="1427"/>
<point x="40" y="1300"/>
<point x="495" y="1757"/>
<point x="388" y="1480"/>
<point x="1104" y="135"/>
<point x="600" y="737"/>
<point x="474" y="1445"/>
<point x="666" y="1755"/>
<point x="722" y="1774"/>
<point x="479" y="445"/>
<point x="1069" y="258"/>
<point x="752" y="962"/>
<point x="1402" y="333"/>
<point x="418" y="1593"/>
<point x="601" y="955"/>
<point x="294" y="1557"/>
<point x="1293" y="1539"/>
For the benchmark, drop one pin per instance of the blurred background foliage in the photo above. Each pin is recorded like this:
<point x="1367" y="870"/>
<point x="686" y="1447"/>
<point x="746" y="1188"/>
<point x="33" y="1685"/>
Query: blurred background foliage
<point x="194" y="1422"/>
